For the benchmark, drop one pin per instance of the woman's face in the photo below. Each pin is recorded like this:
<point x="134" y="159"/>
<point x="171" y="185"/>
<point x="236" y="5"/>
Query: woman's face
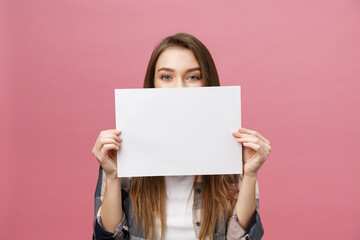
<point x="177" y="67"/>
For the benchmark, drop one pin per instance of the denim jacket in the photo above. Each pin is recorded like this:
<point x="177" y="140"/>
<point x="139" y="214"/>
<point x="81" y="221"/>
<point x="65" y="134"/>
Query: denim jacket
<point x="127" y="229"/>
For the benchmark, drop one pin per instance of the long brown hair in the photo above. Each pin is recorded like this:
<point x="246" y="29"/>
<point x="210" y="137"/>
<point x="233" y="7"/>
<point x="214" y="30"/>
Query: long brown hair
<point x="148" y="194"/>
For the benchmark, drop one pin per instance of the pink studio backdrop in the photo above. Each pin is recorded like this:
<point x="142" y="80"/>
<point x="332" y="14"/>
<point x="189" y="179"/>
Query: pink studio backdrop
<point x="297" y="63"/>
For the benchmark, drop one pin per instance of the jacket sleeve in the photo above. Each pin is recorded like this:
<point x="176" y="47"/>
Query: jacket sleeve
<point x="254" y="232"/>
<point x="121" y="231"/>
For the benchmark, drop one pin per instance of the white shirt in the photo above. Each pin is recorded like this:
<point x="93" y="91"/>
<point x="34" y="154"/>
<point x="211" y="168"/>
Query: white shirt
<point x="178" y="208"/>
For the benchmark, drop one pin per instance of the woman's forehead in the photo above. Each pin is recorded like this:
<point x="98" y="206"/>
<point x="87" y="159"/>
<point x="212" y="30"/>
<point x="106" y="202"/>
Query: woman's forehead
<point x="177" y="58"/>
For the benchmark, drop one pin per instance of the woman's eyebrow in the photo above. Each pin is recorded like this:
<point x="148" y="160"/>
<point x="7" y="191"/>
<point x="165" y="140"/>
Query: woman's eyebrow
<point x="172" y="70"/>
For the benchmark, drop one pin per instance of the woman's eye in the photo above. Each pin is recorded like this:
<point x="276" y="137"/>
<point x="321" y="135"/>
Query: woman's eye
<point x="194" y="78"/>
<point x="165" y="77"/>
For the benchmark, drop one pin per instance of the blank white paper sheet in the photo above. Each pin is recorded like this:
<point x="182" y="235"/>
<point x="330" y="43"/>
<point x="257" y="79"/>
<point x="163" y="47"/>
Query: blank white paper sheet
<point x="178" y="131"/>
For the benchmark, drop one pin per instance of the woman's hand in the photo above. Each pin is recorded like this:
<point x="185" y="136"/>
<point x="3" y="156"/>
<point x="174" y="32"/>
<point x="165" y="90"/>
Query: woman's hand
<point x="256" y="149"/>
<point x="105" y="150"/>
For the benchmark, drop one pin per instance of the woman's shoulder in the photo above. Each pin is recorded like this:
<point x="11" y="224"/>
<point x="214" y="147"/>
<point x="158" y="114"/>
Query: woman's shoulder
<point x="125" y="183"/>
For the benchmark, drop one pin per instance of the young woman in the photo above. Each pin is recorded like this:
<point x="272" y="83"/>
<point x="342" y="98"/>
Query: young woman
<point x="221" y="206"/>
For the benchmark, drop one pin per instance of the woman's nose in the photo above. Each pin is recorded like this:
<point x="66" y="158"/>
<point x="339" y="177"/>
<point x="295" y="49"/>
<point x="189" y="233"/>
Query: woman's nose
<point x="179" y="83"/>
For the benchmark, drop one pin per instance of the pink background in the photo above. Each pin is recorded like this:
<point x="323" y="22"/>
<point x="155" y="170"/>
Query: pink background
<point x="297" y="63"/>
